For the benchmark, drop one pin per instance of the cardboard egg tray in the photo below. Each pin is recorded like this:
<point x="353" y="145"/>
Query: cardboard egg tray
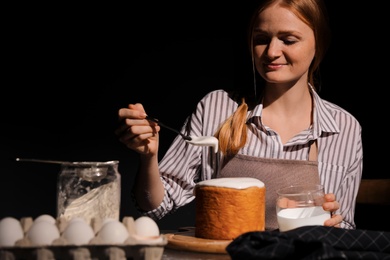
<point x="134" y="247"/>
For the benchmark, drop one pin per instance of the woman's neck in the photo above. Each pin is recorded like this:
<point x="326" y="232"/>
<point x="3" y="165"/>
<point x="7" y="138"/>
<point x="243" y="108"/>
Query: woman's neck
<point x="287" y="111"/>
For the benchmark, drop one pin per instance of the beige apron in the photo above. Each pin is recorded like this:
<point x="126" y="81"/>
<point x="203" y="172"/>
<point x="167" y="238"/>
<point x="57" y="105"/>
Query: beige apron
<point x="275" y="174"/>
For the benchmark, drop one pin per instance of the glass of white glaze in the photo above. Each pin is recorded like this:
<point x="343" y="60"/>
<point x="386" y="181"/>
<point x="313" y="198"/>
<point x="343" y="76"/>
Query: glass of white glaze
<point x="300" y="205"/>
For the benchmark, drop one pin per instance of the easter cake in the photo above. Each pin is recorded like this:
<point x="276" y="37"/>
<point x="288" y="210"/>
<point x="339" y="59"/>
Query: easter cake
<point x="228" y="207"/>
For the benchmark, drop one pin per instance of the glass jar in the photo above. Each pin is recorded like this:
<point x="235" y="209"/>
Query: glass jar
<point x="89" y="190"/>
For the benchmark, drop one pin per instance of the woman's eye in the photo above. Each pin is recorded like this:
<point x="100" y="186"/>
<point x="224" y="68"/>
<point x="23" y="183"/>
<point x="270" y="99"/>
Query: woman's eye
<point x="289" y="42"/>
<point x="261" y="40"/>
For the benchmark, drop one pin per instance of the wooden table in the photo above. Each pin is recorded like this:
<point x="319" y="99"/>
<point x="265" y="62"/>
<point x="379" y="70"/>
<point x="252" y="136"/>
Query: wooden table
<point x="184" y="245"/>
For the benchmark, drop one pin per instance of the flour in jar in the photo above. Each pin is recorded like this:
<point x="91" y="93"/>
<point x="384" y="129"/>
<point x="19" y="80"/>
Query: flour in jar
<point x="101" y="202"/>
<point x="89" y="190"/>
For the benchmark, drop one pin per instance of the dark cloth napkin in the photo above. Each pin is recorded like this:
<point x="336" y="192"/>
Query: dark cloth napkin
<point x="311" y="242"/>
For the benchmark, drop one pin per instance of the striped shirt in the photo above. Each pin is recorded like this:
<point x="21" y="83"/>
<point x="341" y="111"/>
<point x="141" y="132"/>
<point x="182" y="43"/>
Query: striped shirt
<point x="338" y="135"/>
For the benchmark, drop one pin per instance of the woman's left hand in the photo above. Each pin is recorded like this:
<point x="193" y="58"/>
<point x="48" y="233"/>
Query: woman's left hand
<point x="332" y="205"/>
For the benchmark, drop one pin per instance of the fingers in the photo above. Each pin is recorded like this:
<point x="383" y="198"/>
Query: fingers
<point x="135" y="111"/>
<point x="129" y="117"/>
<point x="330" y="197"/>
<point x="135" y="131"/>
<point x="332" y="205"/>
<point x="138" y="107"/>
<point x="334" y="221"/>
<point x="287" y="203"/>
<point x="121" y="129"/>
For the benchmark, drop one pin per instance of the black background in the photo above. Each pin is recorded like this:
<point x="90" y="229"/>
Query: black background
<point x="67" y="69"/>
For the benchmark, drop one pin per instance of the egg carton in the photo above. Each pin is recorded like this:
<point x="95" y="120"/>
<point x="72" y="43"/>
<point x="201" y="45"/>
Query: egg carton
<point x="135" y="246"/>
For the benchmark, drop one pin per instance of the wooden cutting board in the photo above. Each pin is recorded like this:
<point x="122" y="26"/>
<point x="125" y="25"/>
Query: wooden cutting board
<point x="186" y="240"/>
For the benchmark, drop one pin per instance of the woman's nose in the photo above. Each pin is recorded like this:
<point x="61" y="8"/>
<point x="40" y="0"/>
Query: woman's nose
<point x="274" y="48"/>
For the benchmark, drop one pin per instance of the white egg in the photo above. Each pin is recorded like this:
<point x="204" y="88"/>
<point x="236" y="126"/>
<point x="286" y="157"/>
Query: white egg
<point x="113" y="232"/>
<point x="78" y="232"/>
<point x="146" y="227"/>
<point x="45" y="217"/>
<point x="43" y="233"/>
<point x="10" y="231"/>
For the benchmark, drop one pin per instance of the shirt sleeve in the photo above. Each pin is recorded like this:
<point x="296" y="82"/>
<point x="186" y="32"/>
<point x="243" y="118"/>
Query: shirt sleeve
<point x="184" y="164"/>
<point x="341" y="165"/>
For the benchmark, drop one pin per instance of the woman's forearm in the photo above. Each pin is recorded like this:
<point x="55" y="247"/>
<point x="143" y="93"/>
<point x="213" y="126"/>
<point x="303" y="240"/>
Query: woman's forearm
<point x="148" y="189"/>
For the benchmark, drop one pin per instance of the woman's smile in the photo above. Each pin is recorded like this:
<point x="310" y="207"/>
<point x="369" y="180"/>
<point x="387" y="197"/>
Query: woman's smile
<point x="274" y="66"/>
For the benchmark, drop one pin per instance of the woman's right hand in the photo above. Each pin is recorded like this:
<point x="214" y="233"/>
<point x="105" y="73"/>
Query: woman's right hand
<point x="136" y="132"/>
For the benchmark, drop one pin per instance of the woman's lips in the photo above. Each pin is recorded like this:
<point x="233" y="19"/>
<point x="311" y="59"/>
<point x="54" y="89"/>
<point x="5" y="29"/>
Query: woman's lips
<point x="273" y="66"/>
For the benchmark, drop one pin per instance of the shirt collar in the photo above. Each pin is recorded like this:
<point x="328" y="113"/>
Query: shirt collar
<point x="323" y="120"/>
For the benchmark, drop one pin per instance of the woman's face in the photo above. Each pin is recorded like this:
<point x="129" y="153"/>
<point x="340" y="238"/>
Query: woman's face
<point x="284" y="46"/>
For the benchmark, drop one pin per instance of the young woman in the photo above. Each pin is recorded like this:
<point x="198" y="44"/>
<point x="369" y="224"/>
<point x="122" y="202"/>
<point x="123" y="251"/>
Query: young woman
<point x="281" y="132"/>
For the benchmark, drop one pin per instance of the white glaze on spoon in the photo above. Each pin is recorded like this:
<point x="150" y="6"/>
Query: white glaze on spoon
<point x="204" y="141"/>
<point x="194" y="140"/>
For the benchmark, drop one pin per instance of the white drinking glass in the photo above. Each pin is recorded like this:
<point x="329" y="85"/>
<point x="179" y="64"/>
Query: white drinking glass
<point x="300" y="205"/>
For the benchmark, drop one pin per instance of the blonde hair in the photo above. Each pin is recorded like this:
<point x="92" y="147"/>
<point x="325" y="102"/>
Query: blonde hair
<point x="232" y="133"/>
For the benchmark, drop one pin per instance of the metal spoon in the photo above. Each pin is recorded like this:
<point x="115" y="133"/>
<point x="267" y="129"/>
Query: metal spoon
<point x="185" y="137"/>
<point x="90" y="171"/>
<point x="41" y="161"/>
<point x="195" y="140"/>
